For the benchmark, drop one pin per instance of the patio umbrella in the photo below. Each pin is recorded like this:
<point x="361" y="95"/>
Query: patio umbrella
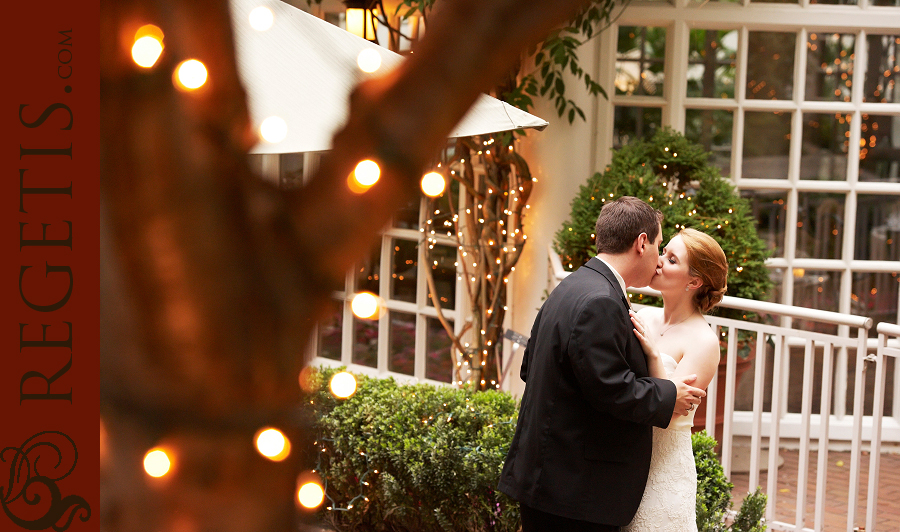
<point x="302" y="69"/>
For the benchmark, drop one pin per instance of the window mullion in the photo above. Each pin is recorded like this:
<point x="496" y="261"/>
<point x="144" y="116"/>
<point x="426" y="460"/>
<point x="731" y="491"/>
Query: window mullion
<point x="675" y="87"/>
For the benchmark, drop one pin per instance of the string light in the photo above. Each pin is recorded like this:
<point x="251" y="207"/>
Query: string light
<point x="364" y="176"/>
<point x="190" y="74"/>
<point x="433" y="184"/>
<point x="311" y="495"/>
<point x="148" y="45"/>
<point x="365" y="305"/>
<point x="343" y="385"/>
<point x="272" y="444"/>
<point x="157" y="463"/>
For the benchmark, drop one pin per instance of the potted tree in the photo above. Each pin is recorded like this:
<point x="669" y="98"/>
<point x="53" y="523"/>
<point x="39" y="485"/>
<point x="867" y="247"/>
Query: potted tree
<point x="673" y="174"/>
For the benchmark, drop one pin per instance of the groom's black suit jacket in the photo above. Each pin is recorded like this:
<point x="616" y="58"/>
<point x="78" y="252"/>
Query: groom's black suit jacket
<point x="583" y="440"/>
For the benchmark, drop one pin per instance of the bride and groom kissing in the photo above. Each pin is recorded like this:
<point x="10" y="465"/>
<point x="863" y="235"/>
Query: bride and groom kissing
<point x="603" y="436"/>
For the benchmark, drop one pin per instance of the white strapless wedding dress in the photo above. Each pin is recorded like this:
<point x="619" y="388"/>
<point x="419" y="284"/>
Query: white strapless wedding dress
<point x="670" y="498"/>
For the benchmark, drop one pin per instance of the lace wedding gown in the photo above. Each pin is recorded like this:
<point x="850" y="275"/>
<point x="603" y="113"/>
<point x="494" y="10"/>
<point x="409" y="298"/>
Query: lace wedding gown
<point x="669" y="501"/>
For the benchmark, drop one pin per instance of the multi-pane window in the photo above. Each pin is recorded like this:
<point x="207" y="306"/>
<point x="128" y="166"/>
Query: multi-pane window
<point x="799" y="106"/>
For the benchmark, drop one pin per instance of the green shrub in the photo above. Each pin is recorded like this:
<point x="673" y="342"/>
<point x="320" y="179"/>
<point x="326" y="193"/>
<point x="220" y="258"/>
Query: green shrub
<point x="714" y="493"/>
<point x="672" y="174"/>
<point x="414" y="457"/>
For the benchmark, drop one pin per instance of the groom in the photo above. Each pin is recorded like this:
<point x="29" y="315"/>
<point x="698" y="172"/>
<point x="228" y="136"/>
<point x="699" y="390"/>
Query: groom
<point x="581" y="453"/>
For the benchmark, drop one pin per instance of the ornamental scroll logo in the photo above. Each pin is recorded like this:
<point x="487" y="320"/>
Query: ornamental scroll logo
<point x="31" y="499"/>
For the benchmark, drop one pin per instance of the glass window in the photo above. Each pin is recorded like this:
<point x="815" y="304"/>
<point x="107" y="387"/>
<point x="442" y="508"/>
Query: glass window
<point x="877" y="227"/>
<point x="875" y="295"/>
<point x="820" y="225"/>
<point x="819" y="290"/>
<point x="367" y="273"/>
<point x="879" y="148"/>
<point x="330" y="327"/>
<point x="825" y="145"/>
<point x="640" y="61"/>
<point x="767" y="143"/>
<point x="291" y="170"/>
<point x="365" y="342"/>
<point x="635" y="123"/>
<point x="402" y="342"/>
<point x="769" y="208"/>
<point x="407" y="217"/>
<point x="883" y="69"/>
<point x="711" y="128"/>
<point x="711" y="63"/>
<point x="404" y="259"/>
<point x="443" y="271"/>
<point x="770" y="65"/>
<point x="438" y="364"/>
<point x="829" y="66"/>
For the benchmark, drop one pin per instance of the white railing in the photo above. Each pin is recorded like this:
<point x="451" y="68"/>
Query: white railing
<point x="824" y="357"/>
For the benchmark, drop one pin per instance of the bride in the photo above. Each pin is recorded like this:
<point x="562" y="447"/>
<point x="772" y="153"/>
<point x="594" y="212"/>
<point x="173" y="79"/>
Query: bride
<point x="678" y="341"/>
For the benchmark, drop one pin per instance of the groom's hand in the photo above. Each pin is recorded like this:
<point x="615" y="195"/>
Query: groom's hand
<point x="687" y="397"/>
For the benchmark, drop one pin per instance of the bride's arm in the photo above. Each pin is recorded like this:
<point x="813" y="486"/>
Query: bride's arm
<point x="654" y="361"/>
<point x="701" y="358"/>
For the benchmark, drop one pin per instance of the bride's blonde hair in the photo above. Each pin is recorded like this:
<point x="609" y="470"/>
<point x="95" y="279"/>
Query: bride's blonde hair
<point x="706" y="261"/>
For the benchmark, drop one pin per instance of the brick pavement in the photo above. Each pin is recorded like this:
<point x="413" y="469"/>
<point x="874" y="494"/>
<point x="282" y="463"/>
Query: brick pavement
<point x="837" y="482"/>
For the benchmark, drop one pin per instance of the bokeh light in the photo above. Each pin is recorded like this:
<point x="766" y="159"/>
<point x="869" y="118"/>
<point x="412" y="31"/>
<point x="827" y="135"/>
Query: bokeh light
<point x="261" y="18"/>
<point x="433" y="184"/>
<point x="365" y="305"/>
<point x="310" y="495"/>
<point x="146" y="50"/>
<point x="343" y="385"/>
<point x="272" y="444"/>
<point x="273" y="129"/>
<point x="367" y="173"/>
<point x="157" y="463"/>
<point x="309" y="379"/>
<point x="369" y="60"/>
<point x="190" y="74"/>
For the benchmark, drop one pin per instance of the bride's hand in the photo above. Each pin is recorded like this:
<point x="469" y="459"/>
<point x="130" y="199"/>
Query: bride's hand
<point x="647" y="340"/>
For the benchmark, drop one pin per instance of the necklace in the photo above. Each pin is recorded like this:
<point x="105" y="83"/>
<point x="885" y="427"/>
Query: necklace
<point x="670" y="327"/>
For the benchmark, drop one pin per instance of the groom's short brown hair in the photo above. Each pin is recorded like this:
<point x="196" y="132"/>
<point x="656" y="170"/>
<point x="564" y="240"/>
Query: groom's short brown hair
<point x="621" y="221"/>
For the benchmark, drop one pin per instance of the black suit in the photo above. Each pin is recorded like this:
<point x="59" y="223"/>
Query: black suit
<point x="583" y="439"/>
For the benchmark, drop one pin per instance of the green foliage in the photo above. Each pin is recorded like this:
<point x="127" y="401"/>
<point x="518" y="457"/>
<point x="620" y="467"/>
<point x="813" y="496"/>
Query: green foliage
<point x="558" y="53"/>
<point x="751" y="518"/>
<point x="713" y="488"/>
<point x="673" y="174"/>
<point x="714" y="493"/>
<point x="438" y="453"/>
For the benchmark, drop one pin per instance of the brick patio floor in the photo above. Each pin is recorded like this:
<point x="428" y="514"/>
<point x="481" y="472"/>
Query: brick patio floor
<point x="838" y="482"/>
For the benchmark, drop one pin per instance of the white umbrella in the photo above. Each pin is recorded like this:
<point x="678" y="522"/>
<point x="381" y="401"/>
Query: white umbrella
<point x="302" y="69"/>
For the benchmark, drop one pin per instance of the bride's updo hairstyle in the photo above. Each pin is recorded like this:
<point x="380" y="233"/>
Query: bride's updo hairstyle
<point x="707" y="261"/>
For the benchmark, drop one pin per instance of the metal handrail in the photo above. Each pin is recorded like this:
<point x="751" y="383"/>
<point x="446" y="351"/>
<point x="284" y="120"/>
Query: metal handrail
<point x="764" y="307"/>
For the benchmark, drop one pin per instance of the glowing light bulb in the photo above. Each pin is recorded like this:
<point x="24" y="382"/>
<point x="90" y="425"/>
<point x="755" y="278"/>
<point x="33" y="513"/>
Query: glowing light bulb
<point x="365" y="305"/>
<point x="146" y="50"/>
<point x="367" y="173"/>
<point x="433" y="184"/>
<point x="343" y="385"/>
<point x="157" y="463"/>
<point x="272" y="444"/>
<point x="273" y="129"/>
<point x="261" y="18"/>
<point x="310" y="495"/>
<point x="369" y="60"/>
<point x="190" y="74"/>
